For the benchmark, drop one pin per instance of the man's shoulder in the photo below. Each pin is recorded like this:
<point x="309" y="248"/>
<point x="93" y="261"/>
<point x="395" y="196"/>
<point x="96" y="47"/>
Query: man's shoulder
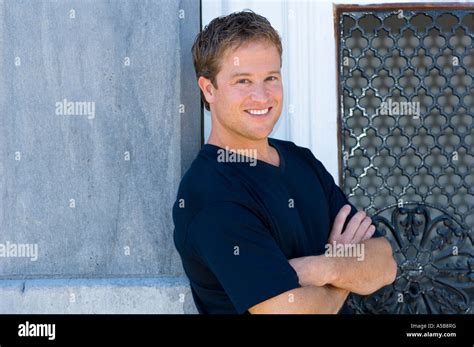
<point x="206" y="179"/>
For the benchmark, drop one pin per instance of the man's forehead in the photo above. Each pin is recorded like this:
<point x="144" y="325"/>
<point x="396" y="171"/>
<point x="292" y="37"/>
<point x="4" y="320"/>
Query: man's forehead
<point x="248" y="73"/>
<point x="244" y="60"/>
<point x="248" y="50"/>
<point x="247" y="65"/>
<point x="250" y="45"/>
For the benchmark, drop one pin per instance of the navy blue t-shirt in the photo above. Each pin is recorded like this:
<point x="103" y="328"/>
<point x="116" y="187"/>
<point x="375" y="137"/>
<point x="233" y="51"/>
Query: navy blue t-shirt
<point x="237" y="224"/>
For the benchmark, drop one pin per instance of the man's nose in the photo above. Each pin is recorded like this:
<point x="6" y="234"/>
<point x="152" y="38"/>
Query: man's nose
<point x="259" y="93"/>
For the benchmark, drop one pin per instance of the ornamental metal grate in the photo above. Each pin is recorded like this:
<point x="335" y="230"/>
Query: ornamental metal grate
<point x="406" y="140"/>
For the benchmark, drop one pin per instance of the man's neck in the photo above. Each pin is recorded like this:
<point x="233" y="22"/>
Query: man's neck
<point x="264" y="151"/>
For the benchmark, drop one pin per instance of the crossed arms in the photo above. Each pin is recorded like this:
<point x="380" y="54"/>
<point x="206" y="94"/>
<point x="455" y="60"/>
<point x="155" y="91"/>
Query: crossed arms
<point x="327" y="281"/>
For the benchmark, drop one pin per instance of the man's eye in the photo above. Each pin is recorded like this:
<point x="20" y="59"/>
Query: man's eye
<point x="272" y="78"/>
<point x="244" y="81"/>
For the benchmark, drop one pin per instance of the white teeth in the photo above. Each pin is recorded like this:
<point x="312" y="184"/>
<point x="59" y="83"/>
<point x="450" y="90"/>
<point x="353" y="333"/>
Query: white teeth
<point x="258" y="111"/>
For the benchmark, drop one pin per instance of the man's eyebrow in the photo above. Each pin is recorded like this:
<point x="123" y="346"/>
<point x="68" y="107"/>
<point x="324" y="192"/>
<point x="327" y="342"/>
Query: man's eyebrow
<point x="248" y="74"/>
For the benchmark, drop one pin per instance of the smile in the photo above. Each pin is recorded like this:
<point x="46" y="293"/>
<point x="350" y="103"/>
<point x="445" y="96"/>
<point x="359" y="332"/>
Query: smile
<point x="256" y="112"/>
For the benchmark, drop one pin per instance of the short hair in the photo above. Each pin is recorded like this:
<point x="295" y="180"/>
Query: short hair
<point x="226" y="32"/>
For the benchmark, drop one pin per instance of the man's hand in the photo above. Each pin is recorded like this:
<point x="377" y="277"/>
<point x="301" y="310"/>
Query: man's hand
<point x="362" y="277"/>
<point x="327" y="281"/>
<point x="316" y="271"/>
<point x="359" y="228"/>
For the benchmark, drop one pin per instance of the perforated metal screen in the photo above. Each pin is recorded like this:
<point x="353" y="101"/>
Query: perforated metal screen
<point x="406" y="140"/>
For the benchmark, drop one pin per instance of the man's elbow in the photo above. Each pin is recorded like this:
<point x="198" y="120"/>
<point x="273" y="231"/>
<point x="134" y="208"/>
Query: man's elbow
<point x="391" y="265"/>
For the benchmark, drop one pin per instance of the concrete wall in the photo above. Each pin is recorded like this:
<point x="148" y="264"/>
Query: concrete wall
<point x="99" y="119"/>
<point x="117" y="295"/>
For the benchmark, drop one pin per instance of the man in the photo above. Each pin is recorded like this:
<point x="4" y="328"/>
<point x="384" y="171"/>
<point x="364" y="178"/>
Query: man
<point x="253" y="215"/>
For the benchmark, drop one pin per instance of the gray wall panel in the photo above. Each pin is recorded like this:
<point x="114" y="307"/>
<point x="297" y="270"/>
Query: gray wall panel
<point x="118" y="203"/>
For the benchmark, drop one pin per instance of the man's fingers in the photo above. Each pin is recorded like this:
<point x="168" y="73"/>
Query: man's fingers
<point x="362" y="230"/>
<point x="358" y="229"/>
<point x="353" y="225"/>
<point x="339" y="221"/>
<point x="370" y="232"/>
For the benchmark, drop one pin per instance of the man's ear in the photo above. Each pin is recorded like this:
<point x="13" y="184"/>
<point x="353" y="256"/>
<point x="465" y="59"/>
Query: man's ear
<point x="207" y="89"/>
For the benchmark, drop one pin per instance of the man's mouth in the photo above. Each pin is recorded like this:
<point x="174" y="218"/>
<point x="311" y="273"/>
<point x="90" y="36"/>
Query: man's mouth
<point x="259" y="112"/>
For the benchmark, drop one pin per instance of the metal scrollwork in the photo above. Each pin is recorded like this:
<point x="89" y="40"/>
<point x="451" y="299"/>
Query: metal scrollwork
<point x="406" y="128"/>
<point x="435" y="263"/>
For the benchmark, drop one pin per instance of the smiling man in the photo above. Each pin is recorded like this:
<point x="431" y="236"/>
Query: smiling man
<point x="254" y="238"/>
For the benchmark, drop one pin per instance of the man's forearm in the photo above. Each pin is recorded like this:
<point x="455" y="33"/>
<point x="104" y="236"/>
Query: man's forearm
<point x="364" y="277"/>
<point x="306" y="300"/>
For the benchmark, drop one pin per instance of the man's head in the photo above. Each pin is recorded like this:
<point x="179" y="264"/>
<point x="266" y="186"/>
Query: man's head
<point x="238" y="61"/>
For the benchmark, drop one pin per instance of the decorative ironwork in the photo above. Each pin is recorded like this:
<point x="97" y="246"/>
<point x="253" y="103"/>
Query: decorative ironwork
<point x="406" y="130"/>
<point x="436" y="265"/>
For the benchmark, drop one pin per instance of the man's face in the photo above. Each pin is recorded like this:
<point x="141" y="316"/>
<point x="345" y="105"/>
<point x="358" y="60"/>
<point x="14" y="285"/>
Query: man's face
<point x="249" y="98"/>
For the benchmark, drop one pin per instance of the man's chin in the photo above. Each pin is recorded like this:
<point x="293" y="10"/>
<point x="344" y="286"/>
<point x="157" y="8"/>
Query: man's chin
<point x="260" y="131"/>
<point x="260" y="135"/>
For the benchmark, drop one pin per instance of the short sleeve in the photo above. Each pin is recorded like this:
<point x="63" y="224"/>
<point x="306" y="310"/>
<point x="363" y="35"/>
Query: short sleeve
<point x="334" y="194"/>
<point x="239" y="250"/>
